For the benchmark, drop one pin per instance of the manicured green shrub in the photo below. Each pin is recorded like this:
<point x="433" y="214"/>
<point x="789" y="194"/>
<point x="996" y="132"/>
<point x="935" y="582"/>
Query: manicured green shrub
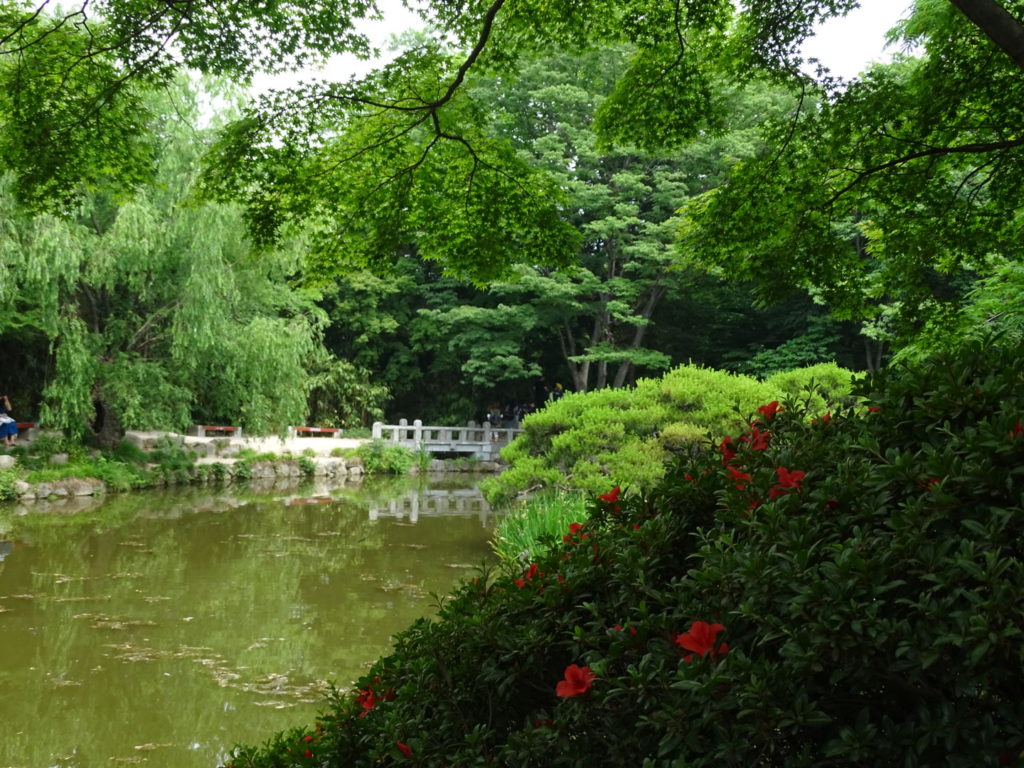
<point x="381" y="457"/>
<point x="841" y="591"/>
<point x="589" y="441"/>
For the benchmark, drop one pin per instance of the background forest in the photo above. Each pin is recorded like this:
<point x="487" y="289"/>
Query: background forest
<point x="136" y="294"/>
<point x="514" y="201"/>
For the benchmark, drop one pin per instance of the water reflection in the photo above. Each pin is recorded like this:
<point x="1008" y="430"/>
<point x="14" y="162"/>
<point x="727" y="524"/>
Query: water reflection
<point x="161" y="628"/>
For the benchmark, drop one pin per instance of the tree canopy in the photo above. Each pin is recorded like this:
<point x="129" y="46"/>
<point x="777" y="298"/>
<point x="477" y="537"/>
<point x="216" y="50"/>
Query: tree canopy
<point x="891" y="200"/>
<point x="377" y="164"/>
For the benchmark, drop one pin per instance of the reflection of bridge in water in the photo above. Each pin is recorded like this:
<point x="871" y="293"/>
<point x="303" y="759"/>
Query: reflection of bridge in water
<point x="463" y="502"/>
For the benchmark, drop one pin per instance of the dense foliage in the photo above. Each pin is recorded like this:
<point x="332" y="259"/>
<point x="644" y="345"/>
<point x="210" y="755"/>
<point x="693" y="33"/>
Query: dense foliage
<point x="588" y="441"/>
<point x="811" y="592"/>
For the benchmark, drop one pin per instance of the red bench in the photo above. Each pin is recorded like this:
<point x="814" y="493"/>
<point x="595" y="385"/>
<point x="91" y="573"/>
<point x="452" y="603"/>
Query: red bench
<point x="317" y="431"/>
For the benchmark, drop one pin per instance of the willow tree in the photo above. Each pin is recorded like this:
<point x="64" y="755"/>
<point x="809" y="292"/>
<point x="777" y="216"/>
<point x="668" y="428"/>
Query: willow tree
<point x="160" y="312"/>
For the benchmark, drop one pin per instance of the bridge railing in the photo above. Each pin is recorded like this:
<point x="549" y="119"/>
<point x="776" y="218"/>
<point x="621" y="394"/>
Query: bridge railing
<point x="462" y="502"/>
<point x="480" y="440"/>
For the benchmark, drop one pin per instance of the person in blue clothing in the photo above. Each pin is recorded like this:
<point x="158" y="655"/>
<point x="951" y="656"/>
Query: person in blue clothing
<point x="8" y="426"/>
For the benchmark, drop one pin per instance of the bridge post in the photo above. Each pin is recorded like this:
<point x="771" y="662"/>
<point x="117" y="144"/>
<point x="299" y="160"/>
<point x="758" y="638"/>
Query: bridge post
<point x="377" y="431"/>
<point x="417" y="433"/>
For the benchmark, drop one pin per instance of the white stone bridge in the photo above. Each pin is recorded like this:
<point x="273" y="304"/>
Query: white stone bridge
<point x="479" y="441"/>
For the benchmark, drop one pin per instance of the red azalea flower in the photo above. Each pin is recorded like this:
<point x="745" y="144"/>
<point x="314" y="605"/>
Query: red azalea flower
<point x="308" y="753"/>
<point x="307" y="739"/>
<point x="741" y="478"/>
<point x="787" y="480"/>
<point x="873" y="409"/>
<point x="1017" y="430"/>
<point x="757" y="440"/>
<point x="611" y="496"/>
<point x="532" y="572"/>
<point x="366" y="700"/>
<point x="520" y="583"/>
<point x="726" y="449"/>
<point x="577" y="682"/>
<point x="701" y="640"/>
<point x="404" y="748"/>
<point x="688" y="478"/>
<point x="769" y="411"/>
<point x="575" y="528"/>
<point x="790" y="479"/>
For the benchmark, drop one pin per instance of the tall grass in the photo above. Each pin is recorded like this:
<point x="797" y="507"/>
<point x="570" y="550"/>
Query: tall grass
<point x="532" y="527"/>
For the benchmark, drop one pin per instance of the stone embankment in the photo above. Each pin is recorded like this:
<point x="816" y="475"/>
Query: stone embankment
<point x="220" y="459"/>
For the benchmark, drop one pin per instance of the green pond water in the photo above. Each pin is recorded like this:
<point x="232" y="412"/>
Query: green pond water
<point x="161" y="628"/>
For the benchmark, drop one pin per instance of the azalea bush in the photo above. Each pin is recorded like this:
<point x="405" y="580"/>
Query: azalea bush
<point x="591" y="440"/>
<point x="381" y="457"/>
<point x="839" y="589"/>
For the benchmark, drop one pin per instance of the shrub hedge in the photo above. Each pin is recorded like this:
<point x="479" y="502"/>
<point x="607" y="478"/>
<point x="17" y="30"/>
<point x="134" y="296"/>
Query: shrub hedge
<point x="588" y="440"/>
<point x="847" y="590"/>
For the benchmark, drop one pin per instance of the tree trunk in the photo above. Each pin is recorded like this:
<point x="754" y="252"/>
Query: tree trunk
<point x="873" y="354"/>
<point x="580" y="372"/>
<point x="627" y="368"/>
<point x="107" y="432"/>
<point x="998" y="25"/>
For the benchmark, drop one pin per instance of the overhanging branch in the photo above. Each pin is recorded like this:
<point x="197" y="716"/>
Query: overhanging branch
<point x="998" y="24"/>
<point x="963" y="149"/>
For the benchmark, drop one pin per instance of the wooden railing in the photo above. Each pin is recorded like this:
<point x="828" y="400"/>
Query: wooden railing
<point x="481" y="441"/>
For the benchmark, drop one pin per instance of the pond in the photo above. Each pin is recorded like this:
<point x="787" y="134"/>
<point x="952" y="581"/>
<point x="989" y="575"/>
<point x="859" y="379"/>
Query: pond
<point x="162" y="628"/>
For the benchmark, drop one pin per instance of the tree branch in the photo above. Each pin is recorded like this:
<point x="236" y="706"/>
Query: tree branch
<point x="963" y="149"/>
<point x="997" y="24"/>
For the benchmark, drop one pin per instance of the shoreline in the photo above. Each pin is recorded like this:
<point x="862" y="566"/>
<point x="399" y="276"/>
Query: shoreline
<point x="220" y="460"/>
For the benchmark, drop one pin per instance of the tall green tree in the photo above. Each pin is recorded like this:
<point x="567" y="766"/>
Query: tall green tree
<point x="73" y="75"/>
<point x="621" y="199"/>
<point x="159" y="312"/>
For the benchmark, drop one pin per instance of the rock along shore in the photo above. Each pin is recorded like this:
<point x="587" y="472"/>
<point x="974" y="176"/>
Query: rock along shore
<point x="218" y="460"/>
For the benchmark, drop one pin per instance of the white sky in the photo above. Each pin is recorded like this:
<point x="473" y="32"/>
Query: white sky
<point x="846" y="46"/>
<point x="397" y="19"/>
